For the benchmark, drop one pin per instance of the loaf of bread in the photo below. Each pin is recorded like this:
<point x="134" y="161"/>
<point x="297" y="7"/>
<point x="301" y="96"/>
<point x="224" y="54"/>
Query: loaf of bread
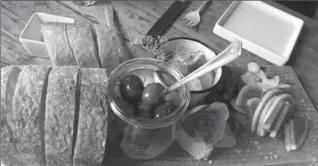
<point x="89" y="46"/>
<point x="92" y="123"/>
<point x="9" y="153"/>
<point x="53" y="115"/>
<point x="83" y="45"/>
<point x="58" y="46"/>
<point x="28" y="115"/>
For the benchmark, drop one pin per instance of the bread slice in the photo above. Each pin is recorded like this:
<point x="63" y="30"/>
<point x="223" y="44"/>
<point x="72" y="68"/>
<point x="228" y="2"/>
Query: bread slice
<point x="92" y="123"/>
<point x="28" y="116"/>
<point x="56" y="40"/>
<point x="111" y="47"/>
<point x="59" y="115"/>
<point x="9" y="153"/>
<point x="83" y="45"/>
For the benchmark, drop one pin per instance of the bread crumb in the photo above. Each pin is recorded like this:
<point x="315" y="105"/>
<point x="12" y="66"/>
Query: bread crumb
<point x="275" y="156"/>
<point x="238" y="151"/>
<point x="210" y="161"/>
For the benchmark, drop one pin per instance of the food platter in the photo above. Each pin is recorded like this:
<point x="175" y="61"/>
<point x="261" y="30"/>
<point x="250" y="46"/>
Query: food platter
<point x="267" y="149"/>
<point x="246" y="143"/>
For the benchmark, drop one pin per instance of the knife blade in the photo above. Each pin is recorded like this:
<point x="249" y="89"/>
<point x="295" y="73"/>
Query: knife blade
<point x="168" y="18"/>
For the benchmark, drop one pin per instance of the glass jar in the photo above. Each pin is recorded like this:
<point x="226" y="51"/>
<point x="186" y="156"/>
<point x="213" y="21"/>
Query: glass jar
<point x="146" y="138"/>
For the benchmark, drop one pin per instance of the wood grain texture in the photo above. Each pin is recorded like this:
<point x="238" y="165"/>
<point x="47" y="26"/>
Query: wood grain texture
<point x="136" y="18"/>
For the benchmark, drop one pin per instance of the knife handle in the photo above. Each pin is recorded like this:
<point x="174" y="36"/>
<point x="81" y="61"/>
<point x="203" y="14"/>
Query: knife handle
<point x="168" y="18"/>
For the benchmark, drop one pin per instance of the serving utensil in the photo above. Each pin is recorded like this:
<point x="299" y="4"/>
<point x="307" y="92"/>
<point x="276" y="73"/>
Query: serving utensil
<point x="193" y="18"/>
<point x="228" y="55"/>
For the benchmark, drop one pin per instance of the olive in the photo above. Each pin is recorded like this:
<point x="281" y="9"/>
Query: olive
<point x="164" y="110"/>
<point x="125" y="106"/>
<point x="153" y="94"/>
<point x="173" y="97"/>
<point x="144" y="111"/>
<point x="131" y="88"/>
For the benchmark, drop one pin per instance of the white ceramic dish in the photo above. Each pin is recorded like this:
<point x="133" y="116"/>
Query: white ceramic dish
<point x="31" y="36"/>
<point x="195" y="46"/>
<point x="263" y="29"/>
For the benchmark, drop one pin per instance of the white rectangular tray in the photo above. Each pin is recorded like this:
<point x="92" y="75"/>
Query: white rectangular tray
<point x="263" y="29"/>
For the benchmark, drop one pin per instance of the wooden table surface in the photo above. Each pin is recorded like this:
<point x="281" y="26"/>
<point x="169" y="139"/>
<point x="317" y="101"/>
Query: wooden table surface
<point x="136" y="17"/>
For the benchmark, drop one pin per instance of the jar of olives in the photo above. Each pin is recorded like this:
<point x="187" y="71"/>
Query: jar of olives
<point x="141" y="101"/>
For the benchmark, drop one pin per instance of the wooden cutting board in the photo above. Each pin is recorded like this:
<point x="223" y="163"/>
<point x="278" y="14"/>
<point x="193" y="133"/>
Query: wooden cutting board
<point x="250" y="149"/>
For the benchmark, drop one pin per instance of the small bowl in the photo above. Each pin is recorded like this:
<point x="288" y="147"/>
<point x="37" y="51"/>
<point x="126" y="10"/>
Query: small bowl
<point x="31" y="36"/>
<point x="193" y="45"/>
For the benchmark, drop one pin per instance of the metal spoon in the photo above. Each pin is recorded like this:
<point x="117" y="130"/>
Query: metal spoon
<point x="228" y="55"/>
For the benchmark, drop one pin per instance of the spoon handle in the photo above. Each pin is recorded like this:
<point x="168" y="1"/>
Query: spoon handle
<point x="202" y="6"/>
<point x="228" y="55"/>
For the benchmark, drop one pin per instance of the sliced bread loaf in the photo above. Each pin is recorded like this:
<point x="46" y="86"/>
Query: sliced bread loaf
<point x="56" y="40"/>
<point x="9" y="153"/>
<point x="60" y="115"/>
<point x="92" y="123"/>
<point x="83" y="46"/>
<point x="111" y="47"/>
<point x="28" y="115"/>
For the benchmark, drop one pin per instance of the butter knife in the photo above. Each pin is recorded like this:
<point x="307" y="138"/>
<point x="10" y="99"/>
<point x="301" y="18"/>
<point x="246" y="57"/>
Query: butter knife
<point x="168" y="18"/>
